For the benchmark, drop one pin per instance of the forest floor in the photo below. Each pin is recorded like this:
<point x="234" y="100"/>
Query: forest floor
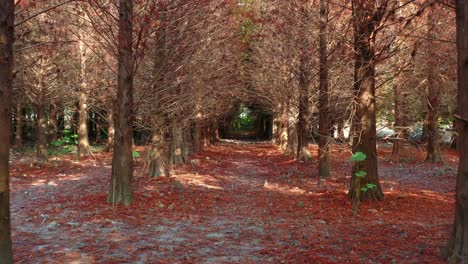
<point x="232" y="203"/>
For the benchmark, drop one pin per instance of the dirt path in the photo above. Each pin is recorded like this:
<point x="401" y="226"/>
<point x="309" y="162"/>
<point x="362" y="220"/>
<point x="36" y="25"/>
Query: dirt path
<point x="230" y="204"/>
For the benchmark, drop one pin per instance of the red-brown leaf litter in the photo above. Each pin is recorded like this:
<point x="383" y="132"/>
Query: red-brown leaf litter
<point x="232" y="203"/>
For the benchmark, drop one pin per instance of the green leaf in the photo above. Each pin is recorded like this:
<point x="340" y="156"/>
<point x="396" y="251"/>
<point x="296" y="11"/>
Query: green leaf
<point x="74" y="136"/>
<point x="360" y="174"/>
<point x="358" y="156"/>
<point x="136" y="154"/>
<point x="371" y="185"/>
<point x="364" y="189"/>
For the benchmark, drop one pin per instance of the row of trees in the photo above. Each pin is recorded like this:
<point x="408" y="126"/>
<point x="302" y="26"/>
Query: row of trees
<point x="176" y="69"/>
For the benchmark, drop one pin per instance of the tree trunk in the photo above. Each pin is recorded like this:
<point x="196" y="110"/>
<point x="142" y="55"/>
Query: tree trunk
<point x="19" y="126"/>
<point x="6" y="84"/>
<point x="41" y="133"/>
<point x="456" y="250"/>
<point x="110" y="130"/>
<point x="302" y="150"/>
<point x="52" y="127"/>
<point x="83" y="140"/>
<point x="324" y="116"/>
<point x="176" y="153"/>
<point x="400" y="119"/>
<point x="283" y="129"/>
<point x="121" y="186"/>
<point x="292" y="135"/>
<point x="364" y="120"/>
<point x="158" y="165"/>
<point x="433" y="100"/>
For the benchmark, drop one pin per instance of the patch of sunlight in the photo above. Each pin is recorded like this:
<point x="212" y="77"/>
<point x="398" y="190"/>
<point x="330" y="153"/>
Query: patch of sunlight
<point x="52" y="183"/>
<point x="38" y="183"/>
<point x="117" y="237"/>
<point x="285" y="190"/>
<point x="203" y="184"/>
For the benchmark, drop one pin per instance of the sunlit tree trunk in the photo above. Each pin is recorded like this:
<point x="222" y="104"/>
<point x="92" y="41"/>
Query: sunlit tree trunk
<point x="456" y="250"/>
<point x="83" y="140"/>
<point x="364" y="121"/>
<point x="110" y="130"/>
<point x="176" y="154"/>
<point x="433" y="100"/>
<point x="6" y="68"/>
<point x="158" y="165"/>
<point x="121" y="186"/>
<point x="302" y="151"/>
<point x="324" y="116"/>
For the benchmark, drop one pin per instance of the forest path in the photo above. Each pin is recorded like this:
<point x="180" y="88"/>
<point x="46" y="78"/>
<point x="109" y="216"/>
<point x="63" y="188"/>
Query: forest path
<point x="232" y="203"/>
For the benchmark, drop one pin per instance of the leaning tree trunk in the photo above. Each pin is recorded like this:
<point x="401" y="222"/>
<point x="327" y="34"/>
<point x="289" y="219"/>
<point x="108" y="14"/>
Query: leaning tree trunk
<point x="121" y="186"/>
<point x="433" y="100"/>
<point x="19" y="126"/>
<point x="324" y="116"/>
<point x="41" y="133"/>
<point x="6" y="83"/>
<point x="364" y="120"/>
<point x="456" y="250"/>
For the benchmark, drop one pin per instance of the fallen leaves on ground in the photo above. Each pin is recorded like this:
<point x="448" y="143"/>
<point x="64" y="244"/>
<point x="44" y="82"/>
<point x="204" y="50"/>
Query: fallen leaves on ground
<point x="235" y="203"/>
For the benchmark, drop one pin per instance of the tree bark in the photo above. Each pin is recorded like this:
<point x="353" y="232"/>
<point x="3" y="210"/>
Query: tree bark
<point x="176" y="153"/>
<point x="41" y="133"/>
<point x="110" y="130"/>
<point x="456" y="250"/>
<point x="400" y="119"/>
<point x="433" y="100"/>
<point x="52" y="130"/>
<point x="121" y="185"/>
<point x="158" y="165"/>
<point x="324" y="116"/>
<point x="83" y="139"/>
<point x="364" y="120"/>
<point x="19" y="126"/>
<point x="6" y="84"/>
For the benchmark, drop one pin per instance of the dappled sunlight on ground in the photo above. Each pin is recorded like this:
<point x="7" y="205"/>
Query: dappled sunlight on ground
<point x="239" y="203"/>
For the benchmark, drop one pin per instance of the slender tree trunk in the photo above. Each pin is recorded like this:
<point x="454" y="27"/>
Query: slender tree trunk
<point x="41" y="133"/>
<point x="121" y="185"/>
<point x="456" y="250"/>
<point x="283" y="129"/>
<point x="292" y="135"/>
<point x="110" y="130"/>
<point x="433" y="100"/>
<point x="6" y="84"/>
<point x="302" y="151"/>
<point x="19" y="126"/>
<point x="52" y="127"/>
<point x="83" y="139"/>
<point x="400" y="119"/>
<point x="324" y="116"/>
<point x="364" y="121"/>
<point x="98" y="120"/>
<point x="177" y="144"/>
